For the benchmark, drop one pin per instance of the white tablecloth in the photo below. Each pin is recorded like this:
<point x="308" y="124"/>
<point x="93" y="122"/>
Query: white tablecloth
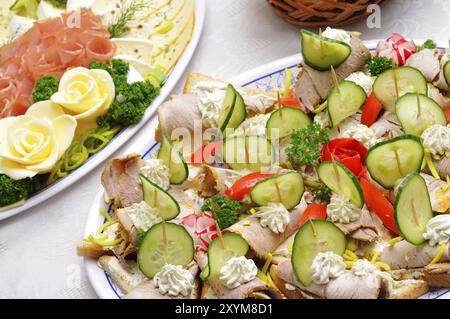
<point x="37" y="248"/>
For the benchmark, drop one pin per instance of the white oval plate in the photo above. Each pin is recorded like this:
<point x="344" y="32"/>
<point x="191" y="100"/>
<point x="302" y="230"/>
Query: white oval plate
<point x="265" y="77"/>
<point x="120" y="139"/>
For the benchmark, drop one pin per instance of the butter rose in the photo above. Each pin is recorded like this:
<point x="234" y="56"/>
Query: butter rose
<point x="85" y="94"/>
<point x="32" y="144"/>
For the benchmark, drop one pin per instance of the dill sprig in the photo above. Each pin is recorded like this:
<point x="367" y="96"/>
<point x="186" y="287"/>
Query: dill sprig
<point x="119" y="26"/>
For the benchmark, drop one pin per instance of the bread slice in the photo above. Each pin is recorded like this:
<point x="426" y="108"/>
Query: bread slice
<point x="193" y="78"/>
<point x="438" y="275"/>
<point x="125" y="278"/>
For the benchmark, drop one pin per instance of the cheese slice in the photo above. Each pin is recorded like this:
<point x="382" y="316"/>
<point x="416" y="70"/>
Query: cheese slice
<point x="5" y="18"/>
<point x="163" y="41"/>
<point x="170" y="55"/>
<point x="140" y="49"/>
<point x="145" y="25"/>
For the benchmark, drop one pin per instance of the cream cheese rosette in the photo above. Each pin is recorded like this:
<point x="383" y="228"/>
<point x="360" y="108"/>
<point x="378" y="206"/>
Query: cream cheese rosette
<point x="31" y="144"/>
<point x="85" y="94"/>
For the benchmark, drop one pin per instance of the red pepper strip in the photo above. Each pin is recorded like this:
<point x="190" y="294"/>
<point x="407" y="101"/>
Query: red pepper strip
<point x="447" y="115"/>
<point x="370" y="110"/>
<point x="379" y="204"/>
<point x="243" y="185"/>
<point x="206" y="153"/>
<point x="314" y="211"/>
<point x="347" y="151"/>
<point x="292" y="101"/>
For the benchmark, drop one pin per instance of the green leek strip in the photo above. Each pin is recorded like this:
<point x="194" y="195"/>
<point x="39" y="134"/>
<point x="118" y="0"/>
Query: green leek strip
<point x="104" y="226"/>
<point x="267" y="263"/>
<point x="395" y="240"/>
<point x="105" y="214"/>
<point x="431" y="166"/>
<point x="91" y="142"/>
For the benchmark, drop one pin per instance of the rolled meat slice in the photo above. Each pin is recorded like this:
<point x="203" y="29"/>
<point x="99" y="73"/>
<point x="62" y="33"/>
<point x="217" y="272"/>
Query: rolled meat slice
<point x="180" y="112"/>
<point x="262" y="240"/>
<point x="442" y="167"/>
<point x="440" y="199"/>
<point x="404" y="255"/>
<point x="346" y="286"/>
<point x="120" y="179"/>
<point x="254" y="289"/>
<point x="313" y="86"/>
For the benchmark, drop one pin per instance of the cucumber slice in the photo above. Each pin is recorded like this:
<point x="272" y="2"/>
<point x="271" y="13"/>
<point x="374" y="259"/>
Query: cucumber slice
<point x="345" y="101"/>
<point x="227" y="107"/>
<point x="417" y="112"/>
<point x="313" y="237"/>
<point x="341" y="181"/>
<point x="322" y="53"/>
<point x="412" y="208"/>
<point x="153" y="252"/>
<point x="285" y="120"/>
<point x="173" y="159"/>
<point x="287" y="189"/>
<point x="447" y="72"/>
<point x="158" y="198"/>
<point x="247" y="152"/>
<point x="238" y="114"/>
<point x="26" y="8"/>
<point x="220" y="251"/>
<point x="391" y="160"/>
<point x="402" y="80"/>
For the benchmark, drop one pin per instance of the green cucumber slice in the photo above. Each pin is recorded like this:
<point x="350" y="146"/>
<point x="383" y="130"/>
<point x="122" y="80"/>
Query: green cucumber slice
<point x="394" y="83"/>
<point x="313" y="237"/>
<point x="158" y="198"/>
<point x="447" y="72"/>
<point x="285" y="120"/>
<point x="287" y="189"/>
<point x="227" y="107"/>
<point x="153" y="252"/>
<point x="345" y="101"/>
<point x="391" y="160"/>
<point x="220" y="251"/>
<point x="341" y="181"/>
<point x="26" y="8"/>
<point x="412" y="208"/>
<point x="322" y="53"/>
<point x="247" y="152"/>
<point x="238" y="115"/>
<point x="417" y="112"/>
<point x="174" y="160"/>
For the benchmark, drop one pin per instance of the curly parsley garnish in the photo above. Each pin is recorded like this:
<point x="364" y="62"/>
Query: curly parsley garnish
<point x="378" y="65"/>
<point x="45" y="87"/>
<point x="224" y="210"/>
<point x="306" y="144"/>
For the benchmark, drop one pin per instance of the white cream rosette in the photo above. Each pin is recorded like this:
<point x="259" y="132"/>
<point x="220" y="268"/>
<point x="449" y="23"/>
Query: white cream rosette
<point x="85" y="94"/>
<point x="31" y="144"/>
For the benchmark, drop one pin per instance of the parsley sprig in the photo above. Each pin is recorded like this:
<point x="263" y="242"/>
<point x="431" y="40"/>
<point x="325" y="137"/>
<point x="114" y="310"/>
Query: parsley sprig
<point x="306" y="144"/>
<point x="224" y="210"/>
<point x="378" y="65"/>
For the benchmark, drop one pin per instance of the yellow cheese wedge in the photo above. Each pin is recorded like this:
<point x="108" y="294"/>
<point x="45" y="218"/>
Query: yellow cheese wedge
<point x="164" y="40"/>
<point x="168" y="57"/>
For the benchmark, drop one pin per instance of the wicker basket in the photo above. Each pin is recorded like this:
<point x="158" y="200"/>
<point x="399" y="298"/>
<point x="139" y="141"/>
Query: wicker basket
<point x="318" y="13"/>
